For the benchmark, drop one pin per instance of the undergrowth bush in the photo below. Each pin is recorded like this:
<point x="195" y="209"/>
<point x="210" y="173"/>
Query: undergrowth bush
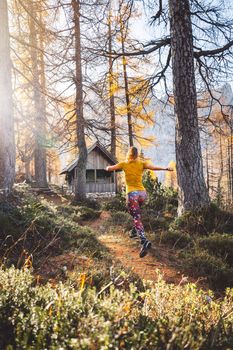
<point x="220" y="245"/>
<point x="120" y="218"/>
<point x="153" y="221"/>
<point x="78" y="213"/>
<point x="117" y="203"/>
<point x="41" y="317"/>
<point x="36" y="229"/>
<point x="161" y="198"/>
<point x="176" y="239"/>
<point x="88" y="202"/>
<point x="218" y="273"/>
<point x="204" y="221"/>
<point x="210" y="256"/>
<point x="85" y="213"/>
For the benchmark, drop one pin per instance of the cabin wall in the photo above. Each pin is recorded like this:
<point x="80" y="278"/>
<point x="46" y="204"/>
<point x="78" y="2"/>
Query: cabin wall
<point x="95" y="160"/>
<point x="93" y="187"/>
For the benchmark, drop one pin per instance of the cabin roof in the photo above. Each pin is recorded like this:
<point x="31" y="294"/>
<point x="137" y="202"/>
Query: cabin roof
<point x="97" y="146"/>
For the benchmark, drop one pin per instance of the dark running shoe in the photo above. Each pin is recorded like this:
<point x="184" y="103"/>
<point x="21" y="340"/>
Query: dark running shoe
<point x="145" y="247"/>
<point x="133" y="233"/>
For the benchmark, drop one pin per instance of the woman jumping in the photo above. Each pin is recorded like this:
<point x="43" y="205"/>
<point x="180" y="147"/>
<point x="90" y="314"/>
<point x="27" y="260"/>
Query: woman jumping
<point x="135" y="192"/>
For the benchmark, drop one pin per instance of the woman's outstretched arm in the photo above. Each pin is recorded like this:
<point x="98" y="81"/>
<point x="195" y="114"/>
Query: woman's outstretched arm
<point x="113" y="167"/>
<point x="153" y="167"/>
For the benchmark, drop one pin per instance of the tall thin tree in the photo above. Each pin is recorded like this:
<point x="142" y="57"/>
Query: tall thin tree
<point x="123" y="33"/>
<point x="80" y="183"/>
<point x="38" y="98"/>
<point x="7" y="141"/>
<point x="111" y="88"/>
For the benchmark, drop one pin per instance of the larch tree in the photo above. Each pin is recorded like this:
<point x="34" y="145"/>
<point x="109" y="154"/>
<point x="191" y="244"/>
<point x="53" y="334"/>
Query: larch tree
<point x="80" y="185"/>
<point x="111" y="88"/>
<point x="131" y="98"/>
<point x="126" y="85"/>
<point x="38" y="80"/>
<point x="7" y="141"/>
<point x="193" y="192"/>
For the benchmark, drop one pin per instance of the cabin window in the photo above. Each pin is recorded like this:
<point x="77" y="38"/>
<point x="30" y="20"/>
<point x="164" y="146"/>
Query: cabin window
<point x="90" y="174"/>
<point x="103" y="176"/>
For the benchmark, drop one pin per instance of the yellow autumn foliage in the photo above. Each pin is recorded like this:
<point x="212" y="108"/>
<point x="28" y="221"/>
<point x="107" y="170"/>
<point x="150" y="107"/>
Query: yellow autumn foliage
<point x="171" y="176"/>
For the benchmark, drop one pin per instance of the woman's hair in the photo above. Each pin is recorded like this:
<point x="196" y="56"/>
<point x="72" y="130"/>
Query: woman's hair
<point x="132" y="154"/>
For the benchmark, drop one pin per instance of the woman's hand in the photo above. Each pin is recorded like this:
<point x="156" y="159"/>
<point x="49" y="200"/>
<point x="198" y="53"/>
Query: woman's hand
<point x="113" y="167"/>
<point x="169" y="169"/>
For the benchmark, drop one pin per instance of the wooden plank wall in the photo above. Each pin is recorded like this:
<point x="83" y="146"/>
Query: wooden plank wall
<point x="96" y="161"/>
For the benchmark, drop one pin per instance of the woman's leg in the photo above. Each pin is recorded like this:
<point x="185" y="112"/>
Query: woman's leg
<point x="134" y="201"/>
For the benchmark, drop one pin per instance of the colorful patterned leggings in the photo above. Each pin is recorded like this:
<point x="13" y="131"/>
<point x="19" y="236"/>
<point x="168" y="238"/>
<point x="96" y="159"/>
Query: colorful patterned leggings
<point x="135" y="200"/>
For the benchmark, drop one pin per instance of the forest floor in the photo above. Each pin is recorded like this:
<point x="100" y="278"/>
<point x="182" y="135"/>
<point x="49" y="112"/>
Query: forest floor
<point x="161" y="260"/>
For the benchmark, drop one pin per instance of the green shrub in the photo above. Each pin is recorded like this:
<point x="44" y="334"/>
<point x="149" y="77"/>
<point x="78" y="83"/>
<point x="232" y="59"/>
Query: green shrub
<point x="84" y="213"/>
<point x="176" y="239"/>
<point x="161" y="198"/>
<point x="88" y="202"/>
<point x="41" y="317"/>
<point x="36" y="229"/>
<point x="203" y="264"/>
<point x="220" y="245"/>
<point x="153" y="220"/>
<point x="84" y="241"/>
<point x="120" y="218"/>
<point x="117" y="203"/>
<point x="204" y="221"/>
<point x="66" y="210"/>
<point x="78" y="213"/>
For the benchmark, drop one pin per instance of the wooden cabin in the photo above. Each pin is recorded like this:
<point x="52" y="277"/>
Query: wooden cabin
<point x="99" y="180"/>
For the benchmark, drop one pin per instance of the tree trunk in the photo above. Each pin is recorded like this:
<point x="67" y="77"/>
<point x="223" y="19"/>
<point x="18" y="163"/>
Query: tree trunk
<point x="80" y="181"/>
<point x="229" y="170"/>
<point x="231" y="164"/>
<point x="28" y="176"/>
<point x="7" y="141"/>
<point x="193" y="192"/>
<point x="111" y="92"/>
<point x="221" y="168"/>
<point x="40" y="112"/>
<point x="127" y="97"/>
<point x="207" y="169"/>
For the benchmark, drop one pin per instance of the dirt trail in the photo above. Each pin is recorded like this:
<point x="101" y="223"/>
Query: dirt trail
<point x="126" y="251"/>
